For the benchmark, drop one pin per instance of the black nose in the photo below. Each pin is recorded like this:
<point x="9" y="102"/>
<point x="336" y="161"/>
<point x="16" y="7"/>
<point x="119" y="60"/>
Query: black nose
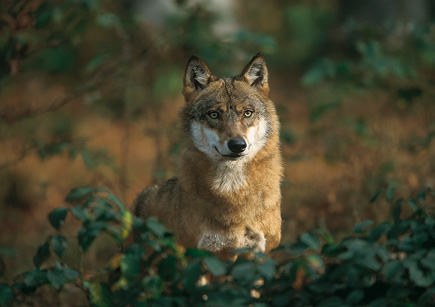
<point x="237" y="145"/>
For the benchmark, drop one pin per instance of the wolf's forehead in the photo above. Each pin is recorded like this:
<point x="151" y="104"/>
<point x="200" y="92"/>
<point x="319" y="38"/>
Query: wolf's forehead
<point x="224" y="93"/>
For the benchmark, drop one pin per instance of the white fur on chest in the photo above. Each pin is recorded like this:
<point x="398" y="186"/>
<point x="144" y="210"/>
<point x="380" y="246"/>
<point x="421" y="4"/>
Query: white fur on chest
<point x="229" y="176"/>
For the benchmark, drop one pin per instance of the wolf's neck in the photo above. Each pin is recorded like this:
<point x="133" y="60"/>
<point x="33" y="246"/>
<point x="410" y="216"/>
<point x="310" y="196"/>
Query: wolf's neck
<point x="229" y="176"/>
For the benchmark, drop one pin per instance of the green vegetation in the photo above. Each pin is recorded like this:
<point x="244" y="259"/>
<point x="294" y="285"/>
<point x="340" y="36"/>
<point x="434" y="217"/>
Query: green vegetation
<point x="392" y="263"/>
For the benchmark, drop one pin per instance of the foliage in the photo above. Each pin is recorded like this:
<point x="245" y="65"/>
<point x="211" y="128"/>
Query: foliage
<point x="373" y="62"/>
<point x="387" y="264"/>
<point x="373" y="67"/>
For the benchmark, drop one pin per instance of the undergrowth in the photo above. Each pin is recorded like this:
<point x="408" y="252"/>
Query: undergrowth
<point x="392" y="263"/>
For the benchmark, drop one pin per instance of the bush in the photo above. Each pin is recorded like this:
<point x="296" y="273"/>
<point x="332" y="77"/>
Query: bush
<point x="392" y="263"/>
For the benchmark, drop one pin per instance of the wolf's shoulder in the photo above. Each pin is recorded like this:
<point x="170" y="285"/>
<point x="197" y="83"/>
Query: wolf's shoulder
<point x="140" y="206"/>
<point x="168" y="185"/>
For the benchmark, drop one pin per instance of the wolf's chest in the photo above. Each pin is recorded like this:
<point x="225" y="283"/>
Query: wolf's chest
<point x="229" y="176"/>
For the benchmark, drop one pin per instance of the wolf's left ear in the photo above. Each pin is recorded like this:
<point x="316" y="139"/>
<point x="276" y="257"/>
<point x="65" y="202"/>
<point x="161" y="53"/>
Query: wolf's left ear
<point x="196" y="77"/>
<point x="256" y="75"/>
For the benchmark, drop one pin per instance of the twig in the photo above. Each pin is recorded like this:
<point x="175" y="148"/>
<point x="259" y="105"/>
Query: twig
<point x="22" y="156"/>
<point x="60" y="101"/>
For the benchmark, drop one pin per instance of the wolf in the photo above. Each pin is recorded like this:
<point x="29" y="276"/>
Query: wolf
<point x="227" y="195"/>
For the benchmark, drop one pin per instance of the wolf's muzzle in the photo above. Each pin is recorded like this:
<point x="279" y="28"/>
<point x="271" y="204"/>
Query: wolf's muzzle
<point x="237" y="145"/>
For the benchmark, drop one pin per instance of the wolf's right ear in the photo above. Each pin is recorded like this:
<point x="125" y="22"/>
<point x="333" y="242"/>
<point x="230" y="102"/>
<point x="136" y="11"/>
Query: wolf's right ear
<point x="196" y="77"/>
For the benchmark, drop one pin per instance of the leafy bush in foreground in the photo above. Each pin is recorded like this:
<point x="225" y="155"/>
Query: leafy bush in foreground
<point x="392" y="263"/>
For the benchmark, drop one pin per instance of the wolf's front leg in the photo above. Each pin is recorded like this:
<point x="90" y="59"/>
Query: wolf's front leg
<point x="254" y="239"/>
<point x="225" y="244"/>
<point x="215" y="242"/>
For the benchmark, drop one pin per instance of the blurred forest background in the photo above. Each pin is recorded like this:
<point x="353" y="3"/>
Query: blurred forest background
<point x="90" y="92"/>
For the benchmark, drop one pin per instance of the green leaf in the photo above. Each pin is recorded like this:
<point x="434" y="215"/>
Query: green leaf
<point x="380" y="302"/>
<point x="54" y="60"/>
<point x="413" y="204"/>
<point x="392" y="270"/>
<point x="296" y="248"/>
<point x="153" y="286"/>
<point x="355" y="297"/>
<point x="43" y="14"/>
<point x="99" y="294"/>
<point x="191" y="274"/>
<point x="42" y="254"/>
<point x="103" y="212"/>
<point x="359" y="228"/>
<point x="244" y="272"/>
<point x="168" y="267"/>
<point x="407" y="245"/>
<point x="70" y="274"/>
<point x="88" y="234"/>
<point x="333" y="301"/>
<point x="427" y="298"/>
<point x="6" y="294"/>
<point x="89" y="159"/>
<point x="7" y="251"/>
<point x="81" y="213"/>
<point x="80" y="193"/>
<point x="379" y="230"/>
<point x="369" y="260"/>
<point x="397" y="209"/>
<point x="390" y="194"/>
<point x="409" y="93"/>
<point x="397" y="229"/>
<point x="56" y="278"/>
<point x="215" y="266"/>
<point x="416" y="274"/>
<point x="421" y="197"/>
<point x="197" y="253"/>
<point x="429" y="261"/>
<point x="397" y="292"/>
<point x="282" y="299"/>
<point x="376" y="195"/>
<point x="321" y="109"/>
<point x="57" y="217"/>
<point x="108" y="20"/>
<point x="34" y="277"/>
<point x="267" y="268"/>
<point x="156" y="227"/>
<point x="313" y="76"/>
<point x="311" y="240"/>
<point x="59" y="245"/>
<point x="95" y="62"/>
<point x="117" y="201"/>
<point x="331" y="250"/>
<point x="131" y="261"/>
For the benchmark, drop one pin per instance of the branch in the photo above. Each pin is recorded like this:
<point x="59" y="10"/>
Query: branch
<point x="60" y="101"/>
<point x="11" y="163"/>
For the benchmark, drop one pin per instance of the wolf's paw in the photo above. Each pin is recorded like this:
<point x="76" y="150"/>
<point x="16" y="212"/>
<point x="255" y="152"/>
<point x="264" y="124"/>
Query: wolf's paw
<point x="256" y="240"/>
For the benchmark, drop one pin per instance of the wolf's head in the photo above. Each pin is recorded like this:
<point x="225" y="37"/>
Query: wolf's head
<point x="228" y="118"/>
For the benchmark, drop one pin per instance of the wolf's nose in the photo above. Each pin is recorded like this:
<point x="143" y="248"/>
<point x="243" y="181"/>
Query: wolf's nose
<point x="237" y="145"/>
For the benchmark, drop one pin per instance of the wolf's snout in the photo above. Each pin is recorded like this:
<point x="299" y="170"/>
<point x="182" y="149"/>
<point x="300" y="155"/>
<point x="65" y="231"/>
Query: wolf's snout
<point x="237" y="145"/>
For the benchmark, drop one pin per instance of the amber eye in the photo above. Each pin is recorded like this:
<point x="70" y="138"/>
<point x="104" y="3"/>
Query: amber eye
<point x="213" y="115"/>
<point x="248" y="113"/>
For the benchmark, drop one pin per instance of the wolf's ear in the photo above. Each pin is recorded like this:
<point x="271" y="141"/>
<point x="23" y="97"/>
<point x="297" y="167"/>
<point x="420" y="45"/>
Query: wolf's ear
<point x="256" y="75"/>
<point x="196" y="77"/>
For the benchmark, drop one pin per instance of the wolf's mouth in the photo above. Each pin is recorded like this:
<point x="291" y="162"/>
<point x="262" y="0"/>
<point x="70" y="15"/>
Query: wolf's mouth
<point x="231" y="156"/>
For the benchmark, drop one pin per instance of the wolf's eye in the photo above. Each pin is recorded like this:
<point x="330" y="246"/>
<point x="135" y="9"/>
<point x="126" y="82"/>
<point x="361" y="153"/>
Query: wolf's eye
<point x="248" y="113"/>
<point x="213" y="115"/>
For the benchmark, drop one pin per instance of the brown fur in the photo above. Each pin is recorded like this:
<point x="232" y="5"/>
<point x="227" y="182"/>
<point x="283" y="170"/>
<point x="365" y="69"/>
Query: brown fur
<point x="191" y="205"/>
